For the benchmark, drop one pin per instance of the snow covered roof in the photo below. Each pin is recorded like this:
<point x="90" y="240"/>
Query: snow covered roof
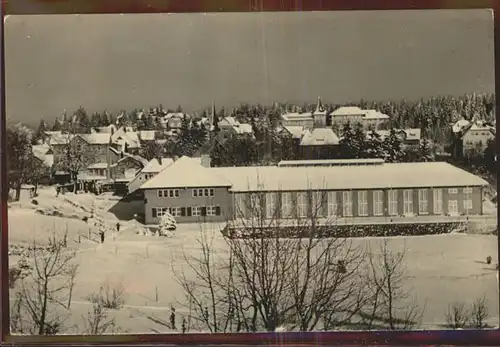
<point x="374" y="114"/>
<point x="96" y="138"/>
<point x="295" y="131"/>
<point x="397" y="175"/>
<point x="123" y="135"/>
<point x="40" y="152"/>
<point x="229" y="121"/>
<point x="296" y="116"/>
<point x="348" y="111"/>
<point x="138" y="158"/>
<point x="186" y="172"/>
<point x="154" y="166"/>
<point x="319" y="137"/>
<point x="459" y="125"/>
<point x="481" y="127"/>
<point x="412" y="134"/>
<point x="330" y="162"/>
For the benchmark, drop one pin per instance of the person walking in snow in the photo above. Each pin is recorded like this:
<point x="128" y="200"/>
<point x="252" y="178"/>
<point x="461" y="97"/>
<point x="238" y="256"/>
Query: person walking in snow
<point x="58" y="190"/>
<point x="102" y="236"/>
<point x="118" y="227"/>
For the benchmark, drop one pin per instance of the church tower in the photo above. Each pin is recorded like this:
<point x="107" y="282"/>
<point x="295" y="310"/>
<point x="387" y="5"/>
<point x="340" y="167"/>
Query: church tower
<point x="319" y="115"/>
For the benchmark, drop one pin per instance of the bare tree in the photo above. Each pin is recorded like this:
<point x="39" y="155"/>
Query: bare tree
<point x="19" y="156"/>
<point x="457" y="316"/>
<point x="75" y="157"/>
<point x="474" y="316"/>
<point x="391" y="304"/>
<point x="97" y="321"/>
<point x="273" y="272"/>
<point x="42" y="297"/>
<point x="479" y="313"/>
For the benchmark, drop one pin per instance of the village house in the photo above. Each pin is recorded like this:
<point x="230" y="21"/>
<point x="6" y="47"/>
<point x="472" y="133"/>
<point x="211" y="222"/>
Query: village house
<point x="319" y="143"/>
<point x="125" y="139"/>
<point x="355" y="115"/>
<point x="192" y="192"/>
<point x="409" y="138"/>
<point x="229" y="127"/>
<point x="125" y="170"/>
<point x="475" y="138"/>
<point x="296" y="119"/>
<point x="151" y="169"/>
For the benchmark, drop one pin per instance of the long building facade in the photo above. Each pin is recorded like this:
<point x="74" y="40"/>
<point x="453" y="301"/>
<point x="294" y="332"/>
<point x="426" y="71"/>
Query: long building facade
<point x="192" y="193"/>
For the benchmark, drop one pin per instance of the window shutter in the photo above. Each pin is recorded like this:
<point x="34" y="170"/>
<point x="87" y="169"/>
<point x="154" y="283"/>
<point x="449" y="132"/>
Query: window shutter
<point x="203" y="211"/>
<point x="188" y="212"/>
<point x="153" y="210"/>
<point x="183" y="211"/>
<point x="217" y="210"/>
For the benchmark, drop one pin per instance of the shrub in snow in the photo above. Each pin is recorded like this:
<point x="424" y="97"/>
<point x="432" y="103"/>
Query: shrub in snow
<point x="34" y="202"/>
<point x="167" y="225"/>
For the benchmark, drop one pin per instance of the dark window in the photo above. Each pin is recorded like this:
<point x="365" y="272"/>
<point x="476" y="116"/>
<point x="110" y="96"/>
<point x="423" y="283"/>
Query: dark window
<point x="195" y="192"/>
<point x="171" y="193"/>
<point x="211" y="191"/>
<point x="203" y="211"/>
<point x="206" y="192"/>
<point x="176" y="193"/>
<point x="188" y="212"/>
<point x="153" y="210"/>
<point x="217" y="210"/>
<point x="183" y="211"/>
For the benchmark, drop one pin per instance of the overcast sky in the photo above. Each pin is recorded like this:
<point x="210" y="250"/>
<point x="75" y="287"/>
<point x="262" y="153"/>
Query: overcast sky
<point x="117" y="62"/>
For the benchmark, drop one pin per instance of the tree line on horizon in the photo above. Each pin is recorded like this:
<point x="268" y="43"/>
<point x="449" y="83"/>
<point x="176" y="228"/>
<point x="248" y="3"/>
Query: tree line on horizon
<point x="265" y="146"/>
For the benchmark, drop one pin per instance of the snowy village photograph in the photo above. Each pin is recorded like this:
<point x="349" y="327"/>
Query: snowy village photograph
<point x="247" y="172"/>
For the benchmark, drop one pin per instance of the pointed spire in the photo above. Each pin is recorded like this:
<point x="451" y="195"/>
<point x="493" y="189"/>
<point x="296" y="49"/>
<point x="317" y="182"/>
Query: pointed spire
<point x="319" y="106"/>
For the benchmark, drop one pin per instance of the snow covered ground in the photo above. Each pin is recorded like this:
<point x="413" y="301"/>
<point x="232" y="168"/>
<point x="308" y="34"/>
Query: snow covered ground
<point x="442" y="269"/>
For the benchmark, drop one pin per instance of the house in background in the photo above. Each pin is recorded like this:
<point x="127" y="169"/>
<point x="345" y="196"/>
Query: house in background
<point x="229" y="127"/>
<point x="475" y="137"/>
<point x="296" y="119"/>
<point x="410" y="138"/>
<point x="125" y="170"/>
<point x="151" y="169"/>
<point x="319" y="143"/>
<point x="125" y="139"/>
<point x="354" y="115"/>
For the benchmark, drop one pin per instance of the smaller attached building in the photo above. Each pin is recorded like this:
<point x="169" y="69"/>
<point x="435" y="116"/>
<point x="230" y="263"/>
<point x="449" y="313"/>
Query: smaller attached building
<point x="189" y="191"/>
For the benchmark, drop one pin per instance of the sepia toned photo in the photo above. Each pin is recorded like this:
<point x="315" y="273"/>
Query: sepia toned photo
<point x="251" y="172"/>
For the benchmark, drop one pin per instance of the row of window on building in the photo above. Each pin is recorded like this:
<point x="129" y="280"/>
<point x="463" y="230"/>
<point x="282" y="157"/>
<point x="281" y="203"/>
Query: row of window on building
<point x="174" y="193"/>
<point x="190" y="211"/>
<point x="304" y="205"/>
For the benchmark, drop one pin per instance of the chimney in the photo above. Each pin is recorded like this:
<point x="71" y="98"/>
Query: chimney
<point x="205" y="160"/>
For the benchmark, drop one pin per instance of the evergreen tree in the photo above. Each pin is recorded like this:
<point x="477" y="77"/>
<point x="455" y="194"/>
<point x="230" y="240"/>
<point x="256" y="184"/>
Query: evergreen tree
<point x="105" y="119"/>
<point x="40" y="135"/>
<point x="424" y="151"/>
<point x="95" y="120"/>
<point x="81" y="121"/>
<point x="56" y="126"/>
<point x="347" y="145"/>
<point x="392" y="147"/>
